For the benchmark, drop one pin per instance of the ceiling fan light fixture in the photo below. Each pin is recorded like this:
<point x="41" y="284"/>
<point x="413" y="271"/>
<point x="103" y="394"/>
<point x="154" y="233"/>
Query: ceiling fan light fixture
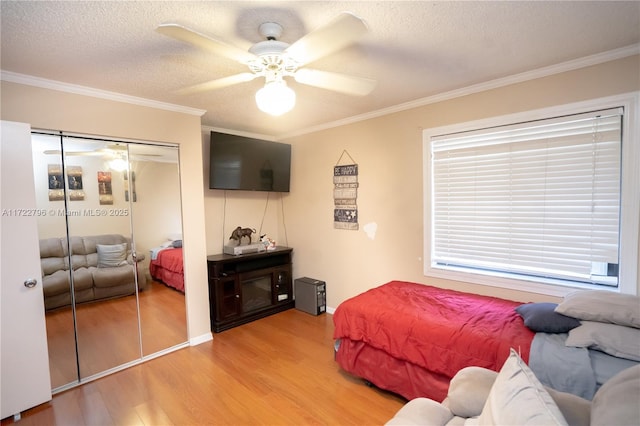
<point x="118" y="164"/>
<point x="276" y="98"/>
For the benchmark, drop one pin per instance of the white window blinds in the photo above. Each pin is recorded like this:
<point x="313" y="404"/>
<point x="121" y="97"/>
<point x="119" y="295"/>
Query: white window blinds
<point x="537" y="199"/>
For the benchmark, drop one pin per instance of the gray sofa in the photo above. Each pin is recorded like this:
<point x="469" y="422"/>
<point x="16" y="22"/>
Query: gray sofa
<point x="514" y="396"/>
<point x="103" y="268"/>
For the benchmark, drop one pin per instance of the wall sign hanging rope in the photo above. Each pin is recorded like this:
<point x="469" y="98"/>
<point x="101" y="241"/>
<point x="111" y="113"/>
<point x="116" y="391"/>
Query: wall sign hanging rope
<point x="345" y="194"/>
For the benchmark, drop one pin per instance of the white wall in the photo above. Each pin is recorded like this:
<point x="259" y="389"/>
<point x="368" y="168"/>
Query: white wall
<point x="81" y="218"/>
<point x="226" y="210"/>
<point x="388" y="151"/>
<point x="157" y="212"/>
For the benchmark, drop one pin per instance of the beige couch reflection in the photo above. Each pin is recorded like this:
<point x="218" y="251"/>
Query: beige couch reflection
<point x="103" y="268"/>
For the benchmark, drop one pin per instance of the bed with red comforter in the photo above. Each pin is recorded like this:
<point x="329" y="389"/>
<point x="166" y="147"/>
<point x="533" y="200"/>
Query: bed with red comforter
<point x="167" y="266"/>
<point x="412" y="338"/>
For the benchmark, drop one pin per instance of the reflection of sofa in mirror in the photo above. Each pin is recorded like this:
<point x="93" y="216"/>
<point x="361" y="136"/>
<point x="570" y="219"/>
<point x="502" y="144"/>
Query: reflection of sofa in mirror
<point x="102" y="269"/>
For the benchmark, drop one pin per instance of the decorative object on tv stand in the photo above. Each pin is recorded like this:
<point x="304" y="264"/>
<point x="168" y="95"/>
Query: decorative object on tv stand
<point x="241" y="232"/>
<point x="345" y="194"/>
<point x="268" y="243"/>
<point x="235" y="247"/>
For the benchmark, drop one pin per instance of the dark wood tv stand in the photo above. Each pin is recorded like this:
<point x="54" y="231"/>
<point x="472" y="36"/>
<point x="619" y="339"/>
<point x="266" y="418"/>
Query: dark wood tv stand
<point x="247" y="287"/>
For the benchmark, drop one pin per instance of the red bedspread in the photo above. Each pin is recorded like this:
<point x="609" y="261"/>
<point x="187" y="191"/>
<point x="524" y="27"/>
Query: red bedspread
<point x="168" y="268"/>
<point x="436" y="329"/>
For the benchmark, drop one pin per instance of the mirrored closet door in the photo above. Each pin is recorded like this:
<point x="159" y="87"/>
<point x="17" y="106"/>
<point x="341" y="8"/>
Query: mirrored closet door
<point x="110" y="230"/>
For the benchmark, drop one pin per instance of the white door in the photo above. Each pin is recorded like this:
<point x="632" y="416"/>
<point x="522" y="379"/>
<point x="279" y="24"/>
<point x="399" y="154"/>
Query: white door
<point x="24" y="359"/>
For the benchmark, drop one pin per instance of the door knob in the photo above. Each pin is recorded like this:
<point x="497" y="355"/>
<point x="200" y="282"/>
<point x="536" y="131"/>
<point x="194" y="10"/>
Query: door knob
<point x="30" y="283"/>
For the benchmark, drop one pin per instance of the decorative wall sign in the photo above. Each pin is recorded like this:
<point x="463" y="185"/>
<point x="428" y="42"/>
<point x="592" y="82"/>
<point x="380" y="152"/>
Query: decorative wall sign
<point x="56" y="183"/>
<point x="345" y="194"/>
<point x="74" y="178"/>
<point x="104" y="188"/>
<point x="133" y="186"/>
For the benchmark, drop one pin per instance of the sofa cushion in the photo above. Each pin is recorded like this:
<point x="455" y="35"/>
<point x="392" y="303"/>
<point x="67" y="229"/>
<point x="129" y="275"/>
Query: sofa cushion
<point x="542" y="317"/>
<point x="616" y="402"/>
<point x="574" y="409"/>
<point x="616" y="340"/>
<point x="82" y="279"/>
<point x="111" y="277"/>
<point x="518" y="397"/>
<point x="51" y="265"/>
<point x="53" y="247"/>
<point x="421" y="411"/>
<point x="468" y="391"/>
<point x="602" y="306"/>
<point x="111" y="256"/>
<point x="56" y="283"/>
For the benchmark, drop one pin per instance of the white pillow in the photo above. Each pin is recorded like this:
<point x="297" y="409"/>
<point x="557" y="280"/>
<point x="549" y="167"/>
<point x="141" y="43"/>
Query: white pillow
<point x="110" y="256"/>
<point x="602" y="306"/>
<point x="518" y="398"/>
<point x="616" y="340"/>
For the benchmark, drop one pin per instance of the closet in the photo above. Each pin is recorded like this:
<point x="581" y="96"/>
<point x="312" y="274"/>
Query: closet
<point x="96" y="195"/>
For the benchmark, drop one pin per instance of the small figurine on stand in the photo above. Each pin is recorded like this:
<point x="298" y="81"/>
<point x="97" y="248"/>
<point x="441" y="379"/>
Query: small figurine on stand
<point x="269" y="244"/>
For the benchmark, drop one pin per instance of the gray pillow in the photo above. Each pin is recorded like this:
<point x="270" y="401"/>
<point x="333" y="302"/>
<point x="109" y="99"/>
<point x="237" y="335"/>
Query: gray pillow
<point x="602" y="306"/>
<point x="542" y="317"/>
<point x="110" y="256"/>
<point x="616" y="402"/>
<point x="616" y="340"/>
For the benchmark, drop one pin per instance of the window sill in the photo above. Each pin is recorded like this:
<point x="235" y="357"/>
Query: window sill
<point x="549" y="287"/>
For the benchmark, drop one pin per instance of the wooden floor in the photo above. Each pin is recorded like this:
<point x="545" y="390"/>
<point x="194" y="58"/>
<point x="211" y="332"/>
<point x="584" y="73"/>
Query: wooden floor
<point x="108" y="333"/>
<point x="278" y="370"/>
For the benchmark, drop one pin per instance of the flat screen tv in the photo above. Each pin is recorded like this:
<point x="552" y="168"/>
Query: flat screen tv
<point x="242" y="163"/>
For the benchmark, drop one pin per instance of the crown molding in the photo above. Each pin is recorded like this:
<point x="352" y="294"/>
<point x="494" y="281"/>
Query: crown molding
<point x="596" y="59"/>
<point x="44" y="83"/>
<point x="209" y="129"/>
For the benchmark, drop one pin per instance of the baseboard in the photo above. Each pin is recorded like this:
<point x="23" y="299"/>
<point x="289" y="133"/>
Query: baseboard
<point x="195" y="341"/>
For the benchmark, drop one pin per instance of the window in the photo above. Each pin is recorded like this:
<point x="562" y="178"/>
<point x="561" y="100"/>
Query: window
<point x="532" y="202"/>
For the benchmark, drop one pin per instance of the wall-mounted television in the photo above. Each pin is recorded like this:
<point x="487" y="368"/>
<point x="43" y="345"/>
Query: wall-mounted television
<point x="249" y="164"/>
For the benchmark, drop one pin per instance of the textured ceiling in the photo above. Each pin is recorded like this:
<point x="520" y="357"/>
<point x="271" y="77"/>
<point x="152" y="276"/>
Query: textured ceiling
<point x="414" y="49"/>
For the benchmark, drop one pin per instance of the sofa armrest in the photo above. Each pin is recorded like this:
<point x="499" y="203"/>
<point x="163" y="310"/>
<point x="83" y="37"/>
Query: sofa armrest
<point x="468" y="391"/>
<point x="138" y="257"/>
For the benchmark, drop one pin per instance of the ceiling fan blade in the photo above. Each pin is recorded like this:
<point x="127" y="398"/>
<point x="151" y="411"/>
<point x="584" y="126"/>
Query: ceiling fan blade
<point x="350" y="85"/>
<point x="338" y="33"/>
<point x="218" y="47"/>
<point x="218" y="83"/>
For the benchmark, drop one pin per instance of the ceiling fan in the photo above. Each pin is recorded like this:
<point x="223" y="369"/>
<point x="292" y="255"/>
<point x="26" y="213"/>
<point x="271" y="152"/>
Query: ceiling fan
<point x="274" y="60"/>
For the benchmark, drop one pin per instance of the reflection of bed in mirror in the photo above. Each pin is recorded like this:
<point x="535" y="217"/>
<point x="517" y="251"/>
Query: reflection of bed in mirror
<point x="166" y="264"/>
